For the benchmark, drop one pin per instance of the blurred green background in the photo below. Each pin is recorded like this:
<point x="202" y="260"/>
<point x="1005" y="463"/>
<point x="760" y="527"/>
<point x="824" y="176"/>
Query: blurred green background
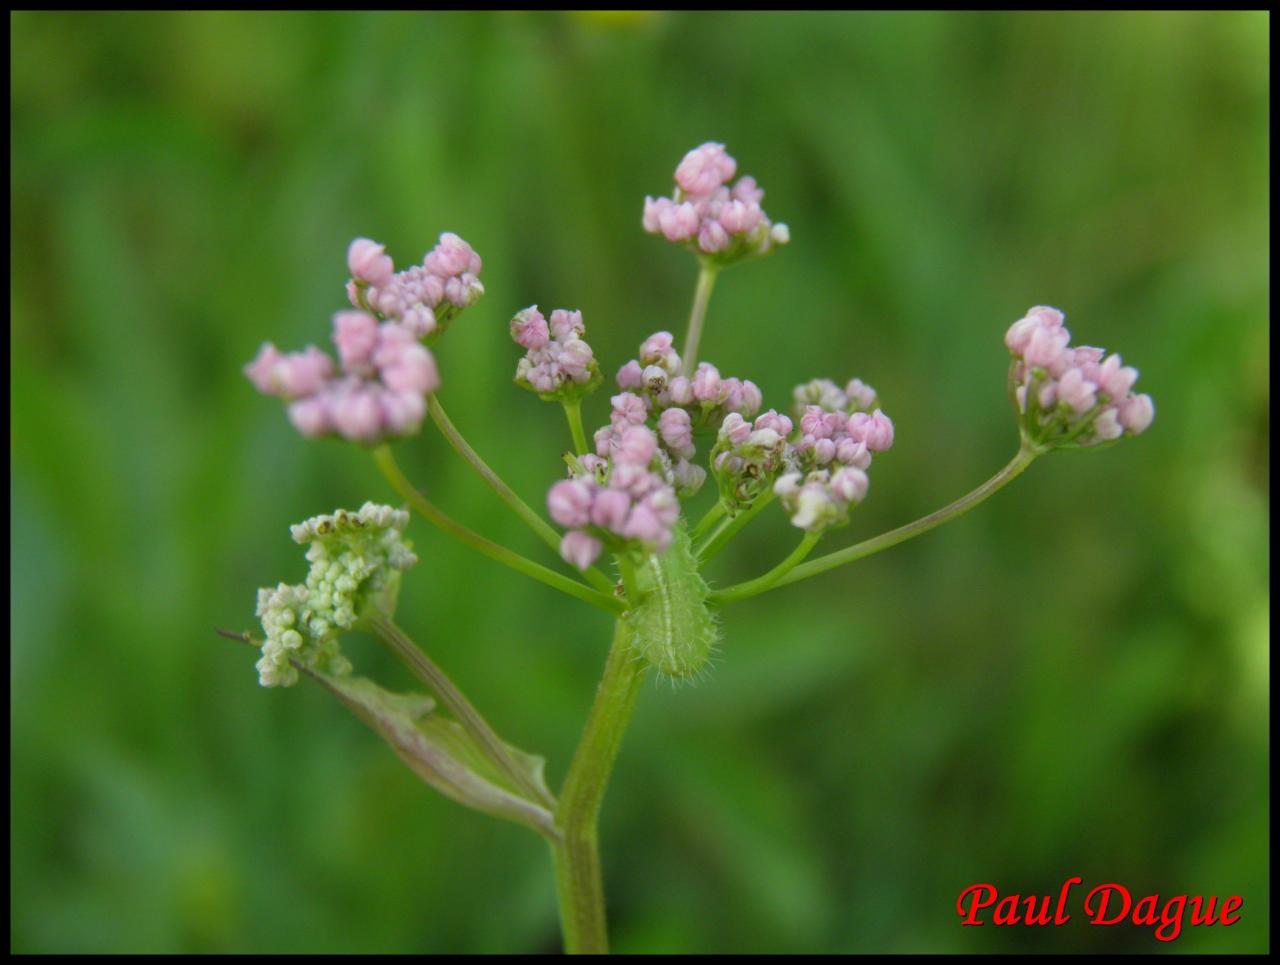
<point x="1072" y="680"/>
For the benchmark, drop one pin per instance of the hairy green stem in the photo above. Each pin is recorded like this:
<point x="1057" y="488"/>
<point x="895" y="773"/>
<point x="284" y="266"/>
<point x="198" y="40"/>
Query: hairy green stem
<point x="750" y="588"/>
<point x="701" y="297"/>
<point x="1015" y="468"/>
<point x="462" y="709"/>
<point x="424" y="507"/>
<point x="576" y="854"/>
<point x="729" y="528"/>
<point x="522" y="509"/>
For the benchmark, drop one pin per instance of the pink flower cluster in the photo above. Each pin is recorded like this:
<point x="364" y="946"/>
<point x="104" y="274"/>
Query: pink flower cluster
<point x="380" y="392"/>
<point x="423" y="297"/>
<point x="710" y="216"/>
<point x="707" y="397"/>
<point x="820" y="498"/>
<point x="1070" y="396"/>
<point x="557" y="363"/>
<point x="674" y="432"/>
<point x="848" y="439"/>
<point x="854" y="397"/>
<point x="748" y="456"/>
<point x="828" y="461"/>
<point x="620" y="501"/>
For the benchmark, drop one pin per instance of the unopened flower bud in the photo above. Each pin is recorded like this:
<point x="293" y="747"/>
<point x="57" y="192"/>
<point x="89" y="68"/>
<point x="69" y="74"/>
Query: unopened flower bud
<point x="630" y="376"/>
<point x="369" y="263"/>
<point x="579" y="549"/>
<point x="569" y="502"/>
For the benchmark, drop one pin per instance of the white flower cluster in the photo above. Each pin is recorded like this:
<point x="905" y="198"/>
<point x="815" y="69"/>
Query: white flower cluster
<point x="356" y="560"/>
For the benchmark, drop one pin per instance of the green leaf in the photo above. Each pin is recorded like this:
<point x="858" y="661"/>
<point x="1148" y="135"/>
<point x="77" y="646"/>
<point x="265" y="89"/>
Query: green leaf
<point x="440" y="752"/>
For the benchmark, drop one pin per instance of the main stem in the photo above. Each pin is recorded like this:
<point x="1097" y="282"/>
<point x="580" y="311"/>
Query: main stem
<point x="576" y="854"/>
<point x="857" y="551"/>
<point x="701" y="296"/>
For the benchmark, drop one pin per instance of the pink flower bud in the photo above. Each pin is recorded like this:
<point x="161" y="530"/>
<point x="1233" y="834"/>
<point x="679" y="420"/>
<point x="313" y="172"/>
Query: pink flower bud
<point x="1019" y="335"/>
<point x="310" y="416"/>
<point x="575" y="360"/>
<point x="778" y="423"/>
<point x="529" y="329"/>
<point x="1046" y="316"/>
<point x="303" y="373"/>
<point x="879" y="432"/>
<point x="653" y="208"/>
<point x="688" y="477"/>
<point x="745" y="189"/>
<point x="852" y="453"/>
<point x="261" y="371"/>
<point x="628" y="409"/>
<point x="1046" y="347"/>
<point x="712" y="237"/>
<point x="860" y="395"/>
<point x="420" y="320"/>
<point x="814" y="507"/>
<point x="706" y="383"/>
<point x="452" y="256"/>
<point x="664" y="505"/>
<point x="355" y="334"/>
<point x="677" y="433"/>
<point x="629" y="376"/>
<point x="369" y="263"/>
<point x="849" y="484"/>
<point x="1136" y="413"/>
<point x="643" y="524"/>
<point x="735" y="428"/>
<point x="824" y="450"/>
<point x="1048" y="395"/>
<point x="603" y="439"/>
<point x="750" y="399"/>
<point x="704" y="169"/>
<point x="637" y="446"/>
<point x="787" y="485"/>
<point x="580" y="550"/>
<point x="657" y="349"/>
<point x="569" y="502"/>
<point x="813" y="422"/>
<point x="739" y="218"/>
<point x="679" y="222"/>
<point x="402" y="412"/>
<point x="1107" y="426"/>
<point x="1115" y="379"/>
<point x="1076" y="392"/>
<point x="357" y="413"/>
<point x="654" y="378"/>
<point x="413" y="370"/>
<point x="630" y="478"/>
<point x="610" y="508"/>
<point x="681" y="390"/>
<point x="566" y="325"/>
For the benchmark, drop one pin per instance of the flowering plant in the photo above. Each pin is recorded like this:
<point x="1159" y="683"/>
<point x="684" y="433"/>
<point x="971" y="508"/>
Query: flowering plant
<point x="623" y="497"/>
